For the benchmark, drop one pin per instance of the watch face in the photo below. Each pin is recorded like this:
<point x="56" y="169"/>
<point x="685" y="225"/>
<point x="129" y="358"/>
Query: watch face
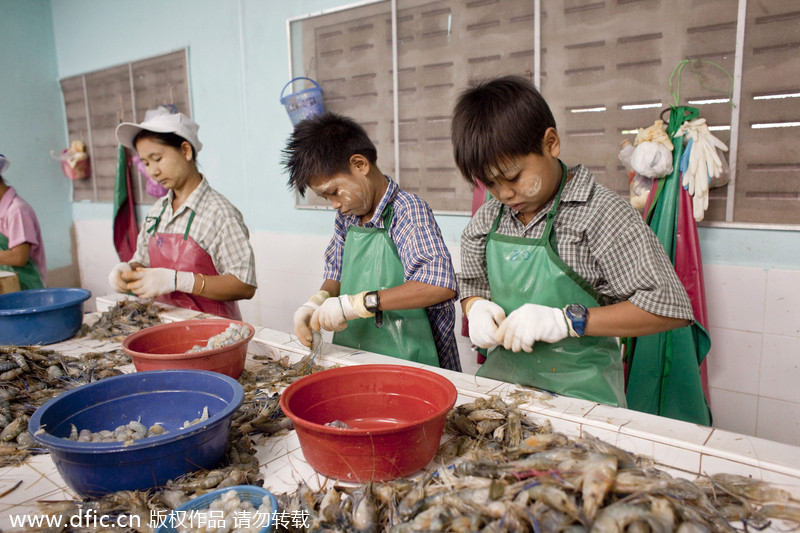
<point x="576" y="314"/>
<point x="578" y="311"/>
<point x="371" y="301"/>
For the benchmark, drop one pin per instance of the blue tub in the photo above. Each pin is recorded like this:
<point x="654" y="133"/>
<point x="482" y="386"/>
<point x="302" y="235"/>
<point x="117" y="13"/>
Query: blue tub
<point x="41" y="316"/>
<point x="183" y="515"/>
<point x="168" y="397"/>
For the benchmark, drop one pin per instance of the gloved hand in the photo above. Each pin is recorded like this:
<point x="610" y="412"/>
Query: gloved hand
<point x="484" y="317"/>
<point x="152" y="282"/>
<point x="115" y="277"/>
<point x="334" y="313"/>
<point x="302" y="317"/>
<point x="704" y="163"/>
<point x="530" y="323"/>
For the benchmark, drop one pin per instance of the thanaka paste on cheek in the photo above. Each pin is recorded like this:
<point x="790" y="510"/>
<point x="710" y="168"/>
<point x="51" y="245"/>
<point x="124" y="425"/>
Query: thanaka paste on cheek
<point x="353" y="195"/>
<point x="532" y="186"/>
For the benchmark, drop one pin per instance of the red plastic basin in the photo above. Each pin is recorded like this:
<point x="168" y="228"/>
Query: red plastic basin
<point x="396" y="414"/>
<point x="164" y="347"/>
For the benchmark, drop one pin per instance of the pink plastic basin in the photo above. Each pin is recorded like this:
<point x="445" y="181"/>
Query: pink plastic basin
<point x="396" y="414"/>
<point x="164" y="347"/>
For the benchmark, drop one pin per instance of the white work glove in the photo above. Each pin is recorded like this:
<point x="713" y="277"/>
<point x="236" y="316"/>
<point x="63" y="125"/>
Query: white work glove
<point x="484" y="317"/>
<point x="334" y="313"/>
<point x="152" y="282"/>
<point x="115" y="277"/>
<point x="704" y="163"/>
<point x="531" y="323"/>
<point x="302" y="317"/>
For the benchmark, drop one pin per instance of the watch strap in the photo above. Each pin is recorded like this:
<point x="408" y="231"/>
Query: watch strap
<point x="575" y="325"/>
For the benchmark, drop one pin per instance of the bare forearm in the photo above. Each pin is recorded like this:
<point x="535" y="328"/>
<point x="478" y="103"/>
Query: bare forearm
<point x="17" y="256"/>
<point x="223" y="288"/>
<point x="626" y="320"/>
<point x="413" y="295"/>
<point x="465" y="303"/>
<point x="333" y="287"/>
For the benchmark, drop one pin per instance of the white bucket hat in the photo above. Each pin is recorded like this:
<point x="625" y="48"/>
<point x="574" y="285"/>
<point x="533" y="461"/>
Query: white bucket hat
<point x="4" y="163"/>
<point x="161" y="121"/>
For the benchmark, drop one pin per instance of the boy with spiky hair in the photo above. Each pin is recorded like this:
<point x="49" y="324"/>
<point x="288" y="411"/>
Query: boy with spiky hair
<point x="389" y="282"/>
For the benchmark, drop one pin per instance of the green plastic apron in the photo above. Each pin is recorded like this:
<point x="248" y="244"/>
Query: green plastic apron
<point x="523" y="270"/>
<point x="29" y="276"/>
<point x="371" y="263"/>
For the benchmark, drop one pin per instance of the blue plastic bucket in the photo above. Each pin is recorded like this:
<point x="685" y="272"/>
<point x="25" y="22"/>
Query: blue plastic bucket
<point x="165" y="397"/>
<point x="303" y="104"/>
<point x="41" y="316"/>
<point x="250" y="493"/>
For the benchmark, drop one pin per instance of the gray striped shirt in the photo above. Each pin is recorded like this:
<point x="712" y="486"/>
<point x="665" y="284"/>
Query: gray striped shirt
<point x="599" y="235"/>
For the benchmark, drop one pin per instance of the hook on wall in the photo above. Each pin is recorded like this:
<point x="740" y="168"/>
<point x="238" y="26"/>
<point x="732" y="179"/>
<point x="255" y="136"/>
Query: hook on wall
<point x="121" y="112"/>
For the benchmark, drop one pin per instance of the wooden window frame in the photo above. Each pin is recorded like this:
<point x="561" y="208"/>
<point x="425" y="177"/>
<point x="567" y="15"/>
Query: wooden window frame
<point x="95" y="102"/>
<point x="696" y="32"/>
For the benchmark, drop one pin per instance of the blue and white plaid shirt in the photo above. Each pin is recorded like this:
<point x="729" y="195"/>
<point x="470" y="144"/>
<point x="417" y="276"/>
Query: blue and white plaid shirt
<point x="424" y="256"/>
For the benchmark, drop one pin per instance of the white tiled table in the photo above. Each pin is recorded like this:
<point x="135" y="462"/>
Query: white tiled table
<point x="680" y="448"/>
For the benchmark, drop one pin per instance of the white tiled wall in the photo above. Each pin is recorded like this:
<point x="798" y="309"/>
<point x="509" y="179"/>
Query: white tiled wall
<point x="754" y="364"/>
<point x="754" y="323"/>
<point x="94" y="241"/>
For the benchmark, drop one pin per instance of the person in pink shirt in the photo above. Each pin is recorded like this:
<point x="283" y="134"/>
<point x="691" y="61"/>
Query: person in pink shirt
<point x="21" y="247"/>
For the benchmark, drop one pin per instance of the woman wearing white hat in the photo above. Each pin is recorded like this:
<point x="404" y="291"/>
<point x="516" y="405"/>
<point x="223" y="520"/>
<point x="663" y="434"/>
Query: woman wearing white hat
<point x="21" y="247"/>
<point x="193" y="249"/>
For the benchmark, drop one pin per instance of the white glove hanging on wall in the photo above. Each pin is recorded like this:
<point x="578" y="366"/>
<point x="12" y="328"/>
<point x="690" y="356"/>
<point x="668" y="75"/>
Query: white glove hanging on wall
<point x="704" y="163"/>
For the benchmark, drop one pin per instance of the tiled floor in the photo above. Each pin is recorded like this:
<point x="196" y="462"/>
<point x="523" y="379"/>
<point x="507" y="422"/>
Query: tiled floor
<point x="681" y="448"/>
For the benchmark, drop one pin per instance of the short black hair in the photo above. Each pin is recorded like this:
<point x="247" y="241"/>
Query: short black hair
<point x="322" y="145"/>
<point x="495" y="121"/>
<point x="167" y="139"/>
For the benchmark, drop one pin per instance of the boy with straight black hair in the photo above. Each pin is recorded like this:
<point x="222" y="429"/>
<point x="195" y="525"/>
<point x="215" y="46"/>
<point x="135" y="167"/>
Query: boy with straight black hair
<point x="554" y="265"/>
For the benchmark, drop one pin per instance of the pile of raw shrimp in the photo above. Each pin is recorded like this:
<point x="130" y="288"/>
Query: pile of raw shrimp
<point x="233" y="333"/>
<point x="499" y="471"/>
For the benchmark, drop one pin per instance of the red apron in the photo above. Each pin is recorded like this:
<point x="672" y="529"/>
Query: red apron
<point x="182" y="253"/>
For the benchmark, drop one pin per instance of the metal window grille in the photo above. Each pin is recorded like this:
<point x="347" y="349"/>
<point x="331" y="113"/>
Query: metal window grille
<point x="604" y="67"/>
<point x="95" y="102"/>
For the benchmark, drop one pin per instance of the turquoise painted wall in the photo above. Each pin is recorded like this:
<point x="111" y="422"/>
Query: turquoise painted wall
<point x="32" y="121"/>
<point x="238" y="62"/>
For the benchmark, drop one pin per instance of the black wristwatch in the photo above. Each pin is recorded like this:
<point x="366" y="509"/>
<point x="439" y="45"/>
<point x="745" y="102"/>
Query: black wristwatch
<point x="576" y="319"/>
<point x="371" y="304"/>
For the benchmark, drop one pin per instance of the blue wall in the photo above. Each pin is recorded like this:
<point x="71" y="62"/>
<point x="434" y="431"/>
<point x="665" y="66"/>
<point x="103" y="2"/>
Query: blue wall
<point x="238" y="63"/>
<point x="32" y="121"/>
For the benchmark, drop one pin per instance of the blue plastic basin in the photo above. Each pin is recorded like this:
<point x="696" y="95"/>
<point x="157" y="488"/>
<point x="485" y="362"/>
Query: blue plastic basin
<point x="41" y="316"/>
<point x="168" y="397"/>
<point x="251" y="493"/>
